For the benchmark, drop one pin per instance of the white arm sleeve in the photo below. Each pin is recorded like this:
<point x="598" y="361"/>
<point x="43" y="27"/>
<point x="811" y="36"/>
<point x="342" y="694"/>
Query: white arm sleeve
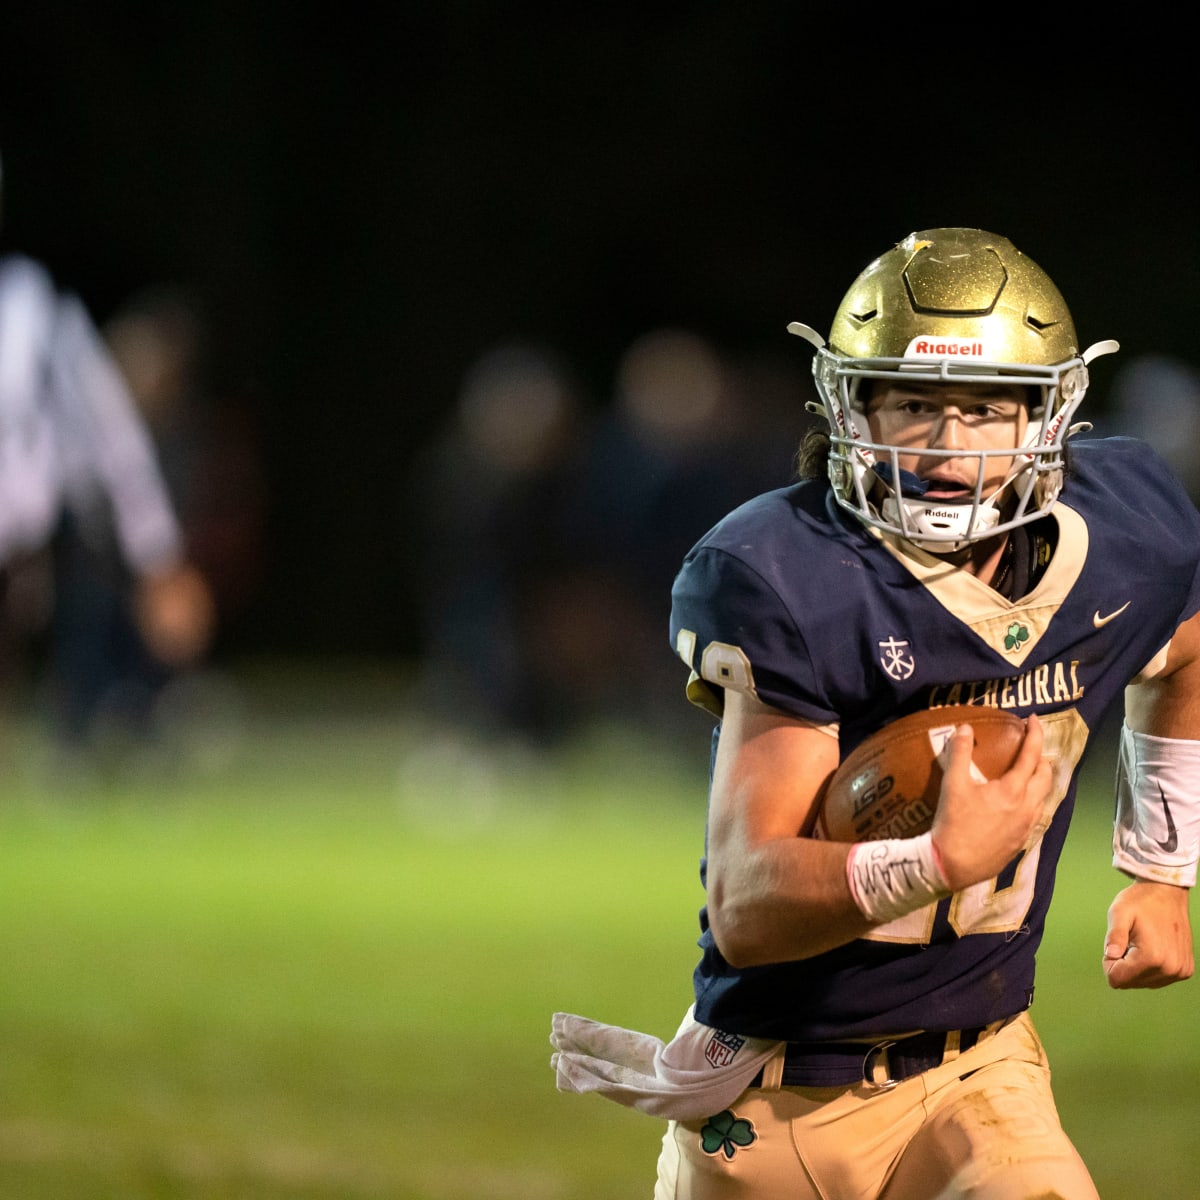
<point x="1156" y="832"/>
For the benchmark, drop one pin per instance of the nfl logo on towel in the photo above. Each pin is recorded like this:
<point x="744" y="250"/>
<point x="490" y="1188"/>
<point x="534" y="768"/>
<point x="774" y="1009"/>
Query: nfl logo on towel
<point x="722" y="1048"/>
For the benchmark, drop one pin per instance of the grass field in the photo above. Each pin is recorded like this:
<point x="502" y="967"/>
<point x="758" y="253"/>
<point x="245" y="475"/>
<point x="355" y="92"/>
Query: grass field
<point x="324" y="967"/>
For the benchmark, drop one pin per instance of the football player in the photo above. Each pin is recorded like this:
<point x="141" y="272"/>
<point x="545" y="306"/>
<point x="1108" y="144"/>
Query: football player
<point x="861" y="1022"/>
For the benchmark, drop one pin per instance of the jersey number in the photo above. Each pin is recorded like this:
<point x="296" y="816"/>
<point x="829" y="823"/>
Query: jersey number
<point x="1001" y="905"/>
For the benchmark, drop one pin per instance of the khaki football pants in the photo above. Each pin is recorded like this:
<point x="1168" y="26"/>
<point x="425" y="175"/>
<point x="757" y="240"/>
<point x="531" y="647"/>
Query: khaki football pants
<point x="983" y="1124"/>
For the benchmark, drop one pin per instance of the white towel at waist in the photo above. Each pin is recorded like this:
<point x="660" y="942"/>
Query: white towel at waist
<point x="698" y="1073"/>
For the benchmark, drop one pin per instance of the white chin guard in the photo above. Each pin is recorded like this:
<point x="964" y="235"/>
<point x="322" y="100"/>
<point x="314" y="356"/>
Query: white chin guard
<point x="939" y="528"/>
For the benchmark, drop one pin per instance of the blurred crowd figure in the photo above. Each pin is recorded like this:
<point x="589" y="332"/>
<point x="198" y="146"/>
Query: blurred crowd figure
<point x="76" y="460"/>
<point x="115" y="564"/>
<point x="205" y="441"/>
<point x="1156" y="397"/>
<point x="554" y="525"/>
<point x="491" y="497"/>
<point x="106" y="685"/>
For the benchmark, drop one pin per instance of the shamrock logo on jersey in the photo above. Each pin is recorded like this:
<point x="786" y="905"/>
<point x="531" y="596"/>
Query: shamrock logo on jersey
<point x="1015" y="635"/>
<point x="724" y="1133"/>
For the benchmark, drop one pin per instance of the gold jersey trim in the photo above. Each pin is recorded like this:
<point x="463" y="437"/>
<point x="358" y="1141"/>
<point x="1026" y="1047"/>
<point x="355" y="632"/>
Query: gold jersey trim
<point x="1010" y="627"/>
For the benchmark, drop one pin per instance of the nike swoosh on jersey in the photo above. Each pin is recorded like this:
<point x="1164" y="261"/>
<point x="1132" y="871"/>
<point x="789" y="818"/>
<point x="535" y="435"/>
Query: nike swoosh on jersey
<point x="1172" y="839"/>
<point x="1098" y="620"/>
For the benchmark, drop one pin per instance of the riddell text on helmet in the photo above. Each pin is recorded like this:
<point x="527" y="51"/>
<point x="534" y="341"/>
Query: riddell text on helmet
<point x="960" y="347"/>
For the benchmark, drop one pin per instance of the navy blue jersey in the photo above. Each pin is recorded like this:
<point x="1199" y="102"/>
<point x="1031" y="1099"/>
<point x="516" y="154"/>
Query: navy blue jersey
<point x="793" y="600"/>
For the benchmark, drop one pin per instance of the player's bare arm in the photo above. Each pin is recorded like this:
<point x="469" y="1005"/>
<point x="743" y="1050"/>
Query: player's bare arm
<point x="773" y="894"/>
<point x="1149" y="943"/>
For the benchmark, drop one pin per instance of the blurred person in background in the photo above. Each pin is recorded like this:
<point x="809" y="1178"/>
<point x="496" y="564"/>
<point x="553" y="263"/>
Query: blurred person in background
<point x="686" y="438"/>
<point x="500" y="619"/>
<point x="1156" y="397"/>
<point x="104" y="684"/>
<point x="206" y="443"/>
<point x="75" y="455"/>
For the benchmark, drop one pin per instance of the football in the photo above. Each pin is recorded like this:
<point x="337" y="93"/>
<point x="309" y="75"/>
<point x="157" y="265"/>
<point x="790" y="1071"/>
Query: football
<point x="888" y="786"/>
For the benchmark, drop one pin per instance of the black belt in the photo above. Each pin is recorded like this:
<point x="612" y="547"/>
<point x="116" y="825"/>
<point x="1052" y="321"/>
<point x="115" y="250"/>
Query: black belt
<point x="836" y="1064"/>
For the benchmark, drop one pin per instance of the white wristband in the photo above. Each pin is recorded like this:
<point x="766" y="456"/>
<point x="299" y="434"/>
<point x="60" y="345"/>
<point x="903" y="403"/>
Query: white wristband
<point x="1156" y="833"/>
<point x="894" y="876"/>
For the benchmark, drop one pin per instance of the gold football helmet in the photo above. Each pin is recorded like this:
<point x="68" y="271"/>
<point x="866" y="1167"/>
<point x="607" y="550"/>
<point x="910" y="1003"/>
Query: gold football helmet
<point x="956" y="305"/>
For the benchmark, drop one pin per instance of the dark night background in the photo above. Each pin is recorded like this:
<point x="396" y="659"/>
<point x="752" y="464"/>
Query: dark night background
<point x="365" y="204"/>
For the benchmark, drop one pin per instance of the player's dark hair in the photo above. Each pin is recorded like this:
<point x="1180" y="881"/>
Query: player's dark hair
<point x="812" y="458"/>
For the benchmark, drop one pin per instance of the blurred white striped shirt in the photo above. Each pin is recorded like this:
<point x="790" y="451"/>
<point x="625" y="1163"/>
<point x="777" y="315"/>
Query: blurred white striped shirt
<point x="71" y="437"/>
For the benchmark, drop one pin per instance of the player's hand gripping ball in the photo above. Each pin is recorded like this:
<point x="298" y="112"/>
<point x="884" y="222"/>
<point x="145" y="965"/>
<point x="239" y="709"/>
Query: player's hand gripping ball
<point x="889" y="785"/>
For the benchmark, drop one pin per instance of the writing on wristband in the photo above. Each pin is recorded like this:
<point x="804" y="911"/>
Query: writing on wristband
<point x="895" y="876"/>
